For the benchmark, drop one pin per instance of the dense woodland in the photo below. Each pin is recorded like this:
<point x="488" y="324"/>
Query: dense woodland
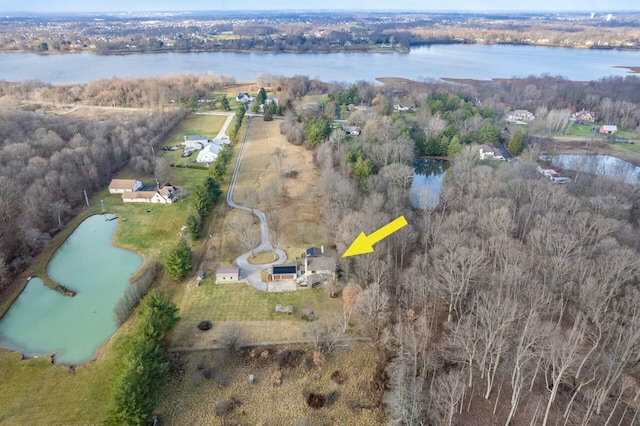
<point x="514" y="301"/>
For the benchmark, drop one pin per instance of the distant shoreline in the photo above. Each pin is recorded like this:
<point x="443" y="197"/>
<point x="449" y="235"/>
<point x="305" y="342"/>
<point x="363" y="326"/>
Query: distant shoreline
<point x="367" y="49"/>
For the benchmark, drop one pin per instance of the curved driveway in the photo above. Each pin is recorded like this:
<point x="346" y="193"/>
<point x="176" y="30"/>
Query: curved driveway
<point x="248" y="271"/>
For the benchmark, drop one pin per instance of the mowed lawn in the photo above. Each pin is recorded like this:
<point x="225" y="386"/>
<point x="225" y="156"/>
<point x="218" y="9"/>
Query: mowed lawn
<point x="194" y="124"/>
<point x="254" y="310"/>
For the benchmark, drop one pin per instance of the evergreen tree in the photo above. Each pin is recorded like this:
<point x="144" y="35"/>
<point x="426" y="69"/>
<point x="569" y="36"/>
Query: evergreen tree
<point x="261" y="97"/>
<point x="144" y="369"/>
<point x="317" y="129"/>
<point x="489" y="134"/>
<point x="455" y="147"/>
<point x="362" y="169"/>
<point x="516" y="145"/>
<point x="213" y="190"/>
<point x="178" y="261"/>
<point x="224" y="103"/>
<point x="200" y="199"/>
<point x="193" y="227"/>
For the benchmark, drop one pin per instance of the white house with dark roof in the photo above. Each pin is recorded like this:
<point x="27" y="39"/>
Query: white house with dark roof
<point x="244" y="97"/>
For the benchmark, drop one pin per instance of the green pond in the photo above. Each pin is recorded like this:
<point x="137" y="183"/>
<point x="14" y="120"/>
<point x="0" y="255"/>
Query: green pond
<point x="42" y="321"/>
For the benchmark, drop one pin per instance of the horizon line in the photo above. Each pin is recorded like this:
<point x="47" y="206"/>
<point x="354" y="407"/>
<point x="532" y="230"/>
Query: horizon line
<point x="466" y="11"/>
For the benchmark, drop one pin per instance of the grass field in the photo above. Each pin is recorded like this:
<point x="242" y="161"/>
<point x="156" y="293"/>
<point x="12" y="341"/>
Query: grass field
<point x="253" y="309"/>
<point x="584" y="130"/>
<point x="194" y="124"/>
<point x="267" y="157"/>
<point x="353" y="397"/>
<point x="631" y="148"/>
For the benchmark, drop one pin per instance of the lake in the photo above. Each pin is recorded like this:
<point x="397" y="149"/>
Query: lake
<point x="476" y="61"/>
<point x="42" y="321"/>
<point x="600" y="165"/>
<point x="424" y="192"/>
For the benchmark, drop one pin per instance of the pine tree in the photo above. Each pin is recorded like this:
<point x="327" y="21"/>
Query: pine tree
<point x="261" y="97"/>
<point x="224" y="103"/>
<point x="455" y="147"/>
<point x="200" y="199"/>
<point x="178" y="261"/>
<point x="516" y="145"/>
<point x="193" y="227"/>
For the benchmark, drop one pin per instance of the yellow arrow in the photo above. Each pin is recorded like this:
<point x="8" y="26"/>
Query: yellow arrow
<point x="364" y="244"/>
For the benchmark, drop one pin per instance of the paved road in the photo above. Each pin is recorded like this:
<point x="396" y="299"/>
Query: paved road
<point x="249" y="272"/>
<point x="222" y="134"/>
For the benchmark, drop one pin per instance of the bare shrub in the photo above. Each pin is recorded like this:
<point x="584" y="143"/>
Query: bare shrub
<point x="209" y="373"/>
<point x="288" y="358"/>
<point x="338" y="377"/>
<point x="315" y="400"/>
<point x="331" y="398"/>
<point x="201" y="364"/>
<point x="276" y="378"/>
<point x="221" y="378"/>
<point x="319" y="358"/>
<point x="222" y="407"/>
<point x="231" y="337"/>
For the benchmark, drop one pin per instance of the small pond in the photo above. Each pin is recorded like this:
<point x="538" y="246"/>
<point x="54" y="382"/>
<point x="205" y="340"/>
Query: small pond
<point x="42" y="321"/>
<point x="427" y="182"/>
<point x="600" y="165"/>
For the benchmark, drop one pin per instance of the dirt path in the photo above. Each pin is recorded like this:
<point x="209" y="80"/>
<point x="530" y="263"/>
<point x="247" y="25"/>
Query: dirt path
<point x="251" y="345"/>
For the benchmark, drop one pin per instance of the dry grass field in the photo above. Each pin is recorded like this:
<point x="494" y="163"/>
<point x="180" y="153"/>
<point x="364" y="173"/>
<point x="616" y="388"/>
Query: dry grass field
<point x="268" y="158"/>
<point x="212" y="388"/>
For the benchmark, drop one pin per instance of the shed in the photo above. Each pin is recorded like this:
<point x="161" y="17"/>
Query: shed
<point x="227" y="275"/>
<point x="608" y="129"/>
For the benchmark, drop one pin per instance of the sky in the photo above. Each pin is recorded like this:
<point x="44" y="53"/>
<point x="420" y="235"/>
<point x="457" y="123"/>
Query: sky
<point x="421" y="5"/>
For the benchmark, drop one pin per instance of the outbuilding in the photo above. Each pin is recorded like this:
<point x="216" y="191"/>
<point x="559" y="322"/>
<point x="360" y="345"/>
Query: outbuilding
<point x="227" y="275"/>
